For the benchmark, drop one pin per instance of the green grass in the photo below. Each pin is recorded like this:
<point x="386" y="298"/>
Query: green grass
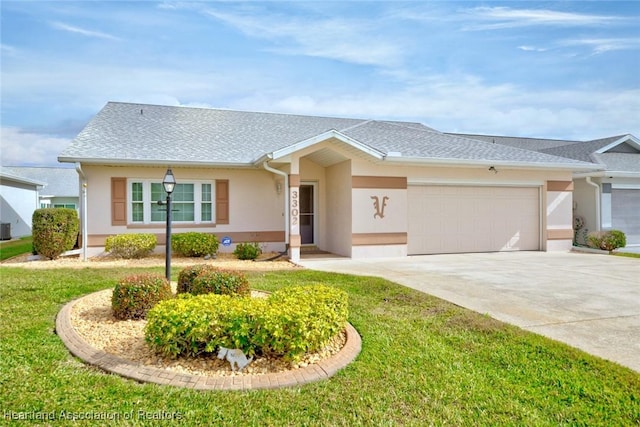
<point x="423" y="362"/>
<point x="11" y="248"/>
<point x="627" y="254"/>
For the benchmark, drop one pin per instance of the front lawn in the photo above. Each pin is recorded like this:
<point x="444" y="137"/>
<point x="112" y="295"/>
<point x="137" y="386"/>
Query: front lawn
<point x="11" y="248"/>
<point x="423" y="361"/>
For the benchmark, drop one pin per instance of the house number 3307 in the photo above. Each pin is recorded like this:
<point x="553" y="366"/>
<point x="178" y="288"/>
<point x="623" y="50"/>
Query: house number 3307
<point x="294" y="207"/>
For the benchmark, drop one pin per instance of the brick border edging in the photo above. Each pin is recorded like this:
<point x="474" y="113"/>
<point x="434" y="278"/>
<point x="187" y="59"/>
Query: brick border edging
<point x="133" y="370"/>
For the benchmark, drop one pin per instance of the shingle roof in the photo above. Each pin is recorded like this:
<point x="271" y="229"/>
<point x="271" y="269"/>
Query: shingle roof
<point x="427" y="143"/>
<point x="581" y="150"/>
<point x="6" y="176"/>
<point x="535" y="144"/>
<point x="164" y="134"/>
<point x="58" y="182"/>
<point x="619" y="162"/>
<point x="586" y="151"/>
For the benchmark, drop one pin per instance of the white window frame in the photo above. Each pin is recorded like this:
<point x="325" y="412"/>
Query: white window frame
<point x="146" y="201"/>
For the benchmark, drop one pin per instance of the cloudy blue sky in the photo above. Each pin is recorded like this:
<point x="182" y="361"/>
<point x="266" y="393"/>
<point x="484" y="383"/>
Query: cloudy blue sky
<point x="562" y="69"/>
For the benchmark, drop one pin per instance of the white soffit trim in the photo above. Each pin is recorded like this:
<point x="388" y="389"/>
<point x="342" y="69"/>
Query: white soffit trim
<point x="278" y="154"/>
<point x="627" y="138"/>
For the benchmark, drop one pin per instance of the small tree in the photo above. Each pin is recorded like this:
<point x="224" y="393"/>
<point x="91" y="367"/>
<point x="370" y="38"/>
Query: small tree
<point x="55" y="231"/>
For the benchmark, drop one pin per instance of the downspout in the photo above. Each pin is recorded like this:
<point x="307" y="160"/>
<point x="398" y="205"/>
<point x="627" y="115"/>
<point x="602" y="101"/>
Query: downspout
<point x="597" y="187"/>
<point x="83" y="212"/>
<point x="266" y="166"/>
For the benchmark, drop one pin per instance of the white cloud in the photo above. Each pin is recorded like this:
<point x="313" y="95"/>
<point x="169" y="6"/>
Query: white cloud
<point x="82" y="31"/>
<point x="603" y="45"/>
<point x="30" y="149"/>
<point x="532" y="49"/>
<point x="505" y="17"/>
<point x="348" y="40"/>
<point x="7" y="50"/>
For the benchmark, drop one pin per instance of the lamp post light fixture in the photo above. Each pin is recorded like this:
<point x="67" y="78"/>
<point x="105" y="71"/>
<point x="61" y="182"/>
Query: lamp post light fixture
<point x="169" y="184"/>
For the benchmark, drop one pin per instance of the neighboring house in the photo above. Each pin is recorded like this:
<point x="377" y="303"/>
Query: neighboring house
<point x="607" y="197"/>
<point x="18" y="200"/>
<point x="61" y="185"/>
<point x="353" y="187"/>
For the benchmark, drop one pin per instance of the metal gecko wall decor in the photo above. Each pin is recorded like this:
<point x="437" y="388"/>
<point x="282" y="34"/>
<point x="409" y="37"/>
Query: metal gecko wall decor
<point x="379" y="207"/>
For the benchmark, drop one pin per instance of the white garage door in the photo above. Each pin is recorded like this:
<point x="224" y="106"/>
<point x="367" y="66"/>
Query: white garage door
<point x="456" y="219"/>
<point x="625" y="213"/>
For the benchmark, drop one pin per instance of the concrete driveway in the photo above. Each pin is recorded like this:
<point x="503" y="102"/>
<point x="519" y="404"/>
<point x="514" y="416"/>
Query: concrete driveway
<point x="588" y="301"/>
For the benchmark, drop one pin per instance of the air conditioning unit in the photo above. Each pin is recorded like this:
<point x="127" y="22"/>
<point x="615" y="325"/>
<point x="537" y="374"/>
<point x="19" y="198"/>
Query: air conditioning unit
<point x="5" y="231"/>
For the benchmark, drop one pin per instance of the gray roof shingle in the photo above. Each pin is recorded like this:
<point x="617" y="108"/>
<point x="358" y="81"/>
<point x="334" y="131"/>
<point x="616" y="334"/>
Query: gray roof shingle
<point x="164" y="134"/>
<point x="621" y="158"/>
<point x="59" y="182"/>
<point x="535" y="144"/>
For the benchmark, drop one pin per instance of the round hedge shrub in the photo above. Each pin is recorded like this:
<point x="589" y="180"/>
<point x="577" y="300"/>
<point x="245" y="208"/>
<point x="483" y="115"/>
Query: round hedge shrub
<point x="188" y="274"/>
<point x="247" y="251"/>
<point x="608" y="240"/>
<point x="54" y="231"/>
<point x="194" y="244"/>
<point x="135" y="295"/>
<point x="129" y="246"/>
<point x="221" y="282"/>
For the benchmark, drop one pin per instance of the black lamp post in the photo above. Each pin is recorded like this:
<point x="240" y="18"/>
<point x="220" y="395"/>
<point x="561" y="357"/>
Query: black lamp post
<point x="169" y="184"/>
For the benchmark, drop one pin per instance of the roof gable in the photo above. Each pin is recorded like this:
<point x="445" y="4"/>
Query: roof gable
<point x="621" y="144"/>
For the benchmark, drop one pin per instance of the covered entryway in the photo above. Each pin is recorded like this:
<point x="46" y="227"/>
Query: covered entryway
<point x="624" y="213"/>
<point x="457" y="219"/>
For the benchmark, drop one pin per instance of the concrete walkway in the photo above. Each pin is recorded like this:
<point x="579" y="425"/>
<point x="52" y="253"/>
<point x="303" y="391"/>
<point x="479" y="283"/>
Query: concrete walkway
<point x="588" y="301"/>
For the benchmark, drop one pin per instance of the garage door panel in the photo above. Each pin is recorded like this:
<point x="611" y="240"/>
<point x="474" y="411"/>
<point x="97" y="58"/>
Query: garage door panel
<point x="625" y="213"/>
<point x="450" y="219"/>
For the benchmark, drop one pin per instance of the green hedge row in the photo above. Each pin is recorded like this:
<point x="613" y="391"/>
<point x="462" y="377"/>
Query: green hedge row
<point x="194" y="244"/>
<point x="134" y="245"/>
<point x="288" y="324"/>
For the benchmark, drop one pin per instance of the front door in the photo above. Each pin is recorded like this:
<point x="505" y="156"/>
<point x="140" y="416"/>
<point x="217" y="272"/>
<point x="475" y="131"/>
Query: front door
<point x="307" y="214"/>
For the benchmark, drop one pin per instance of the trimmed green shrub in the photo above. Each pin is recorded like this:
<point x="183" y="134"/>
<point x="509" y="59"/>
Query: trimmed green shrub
<point x="608" y="240"/>
<point x="288" y="324"/>
<point x="135" y="295"/>
<point x="221" y="282"/>
<point x="194" y="244"/>
<point x="128" y="246"/>
<point x="301" y="319"/>
<point x="247" y="251"/>
<point x="188" y="274"/>
<point x="190" y="326"/>
<point x="54" y="231"/>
